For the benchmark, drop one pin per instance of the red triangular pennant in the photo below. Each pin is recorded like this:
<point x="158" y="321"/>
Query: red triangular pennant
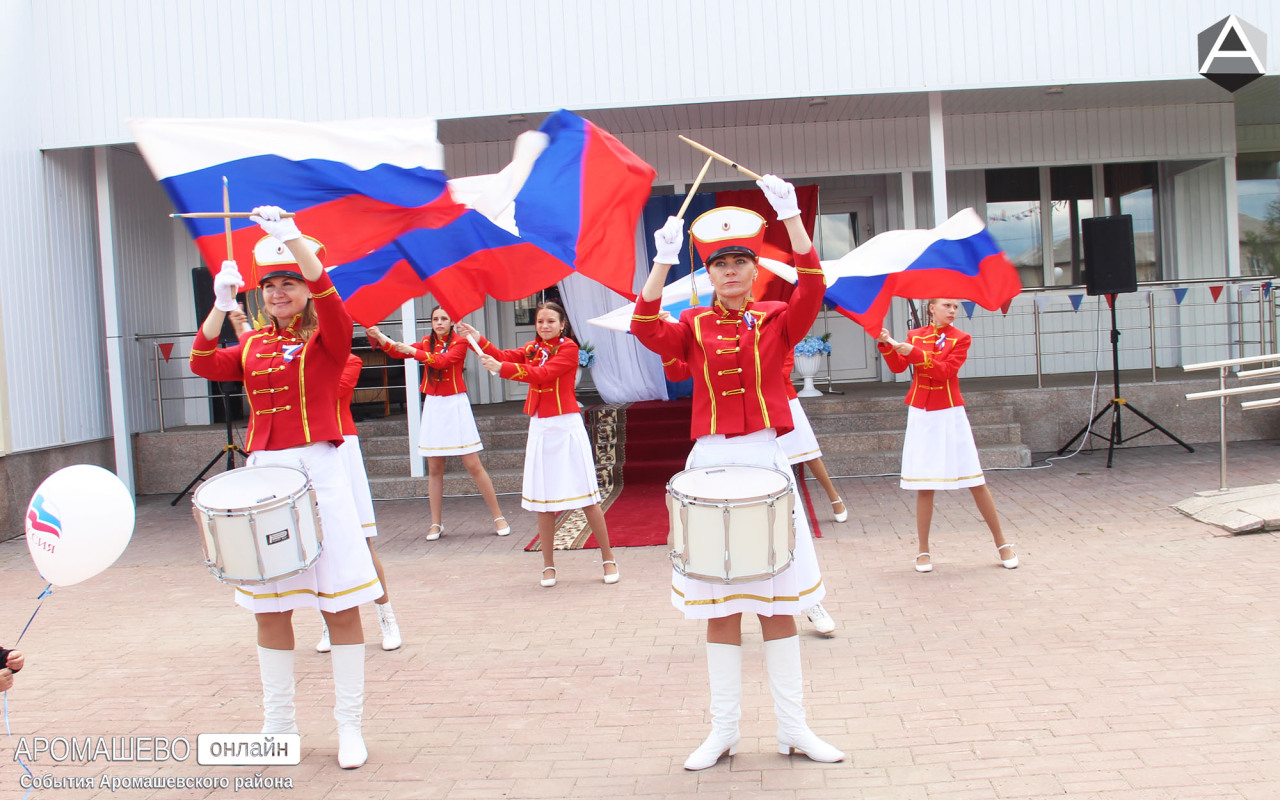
<point x="166" y="349"/>
<point x="1004" y="309"/>
<point x="1216" y="291"/>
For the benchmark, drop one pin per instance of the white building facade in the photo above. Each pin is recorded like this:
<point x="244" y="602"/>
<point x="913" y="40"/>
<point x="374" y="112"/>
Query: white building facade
<point x="1036" y="114"/>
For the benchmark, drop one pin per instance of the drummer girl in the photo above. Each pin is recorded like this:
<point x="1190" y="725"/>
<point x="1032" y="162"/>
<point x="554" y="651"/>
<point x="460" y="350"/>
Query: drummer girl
<point x="559" y="471"/>
<point x="939" y="451"/>
<point x="291" y="370"/>
<point x="735" y="349"/>
<point x="447" y="427"/>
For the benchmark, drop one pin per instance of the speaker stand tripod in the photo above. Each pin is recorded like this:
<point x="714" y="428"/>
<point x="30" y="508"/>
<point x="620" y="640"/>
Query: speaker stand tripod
<point x="229" y="449"/>
<point x="1117" y="402"/>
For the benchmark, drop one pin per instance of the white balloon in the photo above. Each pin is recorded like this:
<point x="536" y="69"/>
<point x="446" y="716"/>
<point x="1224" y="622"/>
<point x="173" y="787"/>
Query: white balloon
<point x="78" y="523"/>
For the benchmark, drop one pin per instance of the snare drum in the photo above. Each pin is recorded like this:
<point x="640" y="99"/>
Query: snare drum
<point x="259" y="524"/>
<point x="731" y="523"/>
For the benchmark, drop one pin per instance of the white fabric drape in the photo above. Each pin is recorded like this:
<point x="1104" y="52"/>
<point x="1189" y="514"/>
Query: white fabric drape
<point x="624" y="371"/>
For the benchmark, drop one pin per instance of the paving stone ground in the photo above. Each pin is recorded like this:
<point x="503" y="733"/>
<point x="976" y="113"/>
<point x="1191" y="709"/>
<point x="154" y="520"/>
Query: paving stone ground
<point x="1135" y="655"/>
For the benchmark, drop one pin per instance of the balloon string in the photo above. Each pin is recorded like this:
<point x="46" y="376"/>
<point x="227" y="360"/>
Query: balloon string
<point x="48" y="590"/>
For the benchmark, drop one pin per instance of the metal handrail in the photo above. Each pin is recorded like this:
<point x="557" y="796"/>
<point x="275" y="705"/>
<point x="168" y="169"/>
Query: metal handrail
<point x="1222" y="393"/>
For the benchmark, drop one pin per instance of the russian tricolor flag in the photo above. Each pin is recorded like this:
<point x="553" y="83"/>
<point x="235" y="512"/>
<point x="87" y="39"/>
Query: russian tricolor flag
<point x="956" y="259"/>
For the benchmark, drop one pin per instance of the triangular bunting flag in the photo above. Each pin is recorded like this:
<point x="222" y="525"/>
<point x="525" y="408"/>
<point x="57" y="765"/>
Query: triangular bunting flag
<point x="166" y="350"/>
<point x="1042" y="301"/>
<point x="969" y="305"/>
<point x="1075" y="301"/>
<point x="1216" y="291"/>
<point x="1180" y="294"/>
<point x="1004" y="309"/>
<point x="1266" y="289"/>
<point x="1111" y="301"/>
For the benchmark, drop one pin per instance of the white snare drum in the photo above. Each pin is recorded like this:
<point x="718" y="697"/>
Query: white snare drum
<point x="259" y="524"/>
<point x="731" y="523"/>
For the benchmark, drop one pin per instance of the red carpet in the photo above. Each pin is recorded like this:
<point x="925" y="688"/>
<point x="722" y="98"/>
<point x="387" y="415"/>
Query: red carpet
<point x="638" y="447"/>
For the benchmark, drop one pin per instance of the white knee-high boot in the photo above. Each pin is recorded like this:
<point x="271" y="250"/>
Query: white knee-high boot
<point x="348" y="704"/>
<point x="782" y="659"/>
<point x="724" y="669"/>
<point x="276" y="667"/>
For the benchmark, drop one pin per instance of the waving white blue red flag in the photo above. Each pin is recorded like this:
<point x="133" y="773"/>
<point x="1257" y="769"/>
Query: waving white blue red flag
<point x="374" y="196"/>
<point x="956" y="259"/>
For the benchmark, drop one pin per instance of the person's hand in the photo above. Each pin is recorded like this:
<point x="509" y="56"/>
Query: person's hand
<point x="6" y="680"/>
<point x="490" y="363"/>
<point x="466" y="330"/>
<point x="884" y="337"/>
<point x="239" y="320"/>
<point x="268" y="218"/>
<point x="374" y="335"/>
<point x="669" y="240"/>
<point x="401" y="347"/>
<point x="903" y="348"/>
<point x="15" y="661"/>
<point x="226" y="284"/>
<point x="665" y="314"/>
<point x="781" y="195"/>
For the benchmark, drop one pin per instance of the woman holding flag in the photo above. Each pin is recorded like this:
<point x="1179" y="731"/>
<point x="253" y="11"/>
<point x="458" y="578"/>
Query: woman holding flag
<point x="291" y="371"/>
<point x="447" y="426"/>
<point x="559" y="471"/>
<point x="939" y="451"/>
<point x="736" y="347"/>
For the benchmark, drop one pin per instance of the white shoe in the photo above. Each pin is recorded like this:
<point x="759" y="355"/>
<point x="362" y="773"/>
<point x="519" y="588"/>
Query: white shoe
<point x="923" y="567"/>
<point x="724" y="670"/>
<point x="390" y="630"/>
<point x="841" y="516"/>
<point x="348" y="704"/>
<point x="611" y="577"/>
<point x="782" y="661"/>
<point x="276" y="667"/>
<point x="505" y="530"/>
<point x="434" y="531"/>
<point x="546" y="582"/>
<point x="322" y="646"/>
<point x="821" y="620"/>
<point x="1009" y="563"/>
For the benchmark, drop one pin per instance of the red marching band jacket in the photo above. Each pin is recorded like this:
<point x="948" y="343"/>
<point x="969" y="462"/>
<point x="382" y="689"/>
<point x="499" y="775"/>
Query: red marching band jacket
<point x="292" y="385"/>
<point x="447" y="356"/>
<point x="937" y="354"/>
<point x="548" y="367"/>
<point x="347" y="390"/>
<point x="736" y="357"/>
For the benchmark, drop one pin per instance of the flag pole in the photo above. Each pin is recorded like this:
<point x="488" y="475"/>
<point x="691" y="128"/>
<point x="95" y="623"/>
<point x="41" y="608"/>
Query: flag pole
<point x="688" y="198"/>
<point x="226" y="209"/>
<point x="718" y="157"/>
<point x="223" y="214"/>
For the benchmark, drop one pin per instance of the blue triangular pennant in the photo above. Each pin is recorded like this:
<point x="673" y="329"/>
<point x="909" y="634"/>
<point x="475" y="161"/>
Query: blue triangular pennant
<point x="1180" y="294"/>
<point x="1266" y="289"/>
<point x="968" y="308"/>
<point x="1075" y="301"/>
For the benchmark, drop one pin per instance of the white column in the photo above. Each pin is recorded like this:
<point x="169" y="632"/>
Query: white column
<point x="937" y="159"/>
<point x="111" y="323"/>
<point x="1046" y="228"/>
<point x="1232" y="198"/>
<point x="908" y="199"/>
<point x="409" y="333"/>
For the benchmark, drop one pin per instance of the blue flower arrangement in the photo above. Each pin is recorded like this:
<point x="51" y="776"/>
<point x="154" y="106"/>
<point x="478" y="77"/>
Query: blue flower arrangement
<point x="814" y="345"/>
<point x="586" y="354"/>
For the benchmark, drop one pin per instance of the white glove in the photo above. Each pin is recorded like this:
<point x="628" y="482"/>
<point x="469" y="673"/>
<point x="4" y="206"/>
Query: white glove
<point x="226" y="284"/>
<point x="781" y="195"/>
<point x="669" y="240"/>
<point x="268" y="218"/>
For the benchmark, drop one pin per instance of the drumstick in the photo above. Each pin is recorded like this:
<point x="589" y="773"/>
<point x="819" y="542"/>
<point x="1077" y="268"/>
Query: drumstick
<point x="688" y="198"/>
<point x="718" y="157"/>
<point x="221" y="214"/>
<point x="226" y="208"/>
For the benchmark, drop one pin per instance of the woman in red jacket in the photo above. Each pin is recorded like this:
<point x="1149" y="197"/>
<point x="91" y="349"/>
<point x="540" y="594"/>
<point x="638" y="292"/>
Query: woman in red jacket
<point x="559" y="471"/>
<point x="291" y="370"/>
<point x="447" y="426"/>
<point x="939" y="451"/>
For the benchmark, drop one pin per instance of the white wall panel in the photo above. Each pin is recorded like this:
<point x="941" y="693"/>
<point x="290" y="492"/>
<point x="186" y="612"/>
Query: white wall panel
<point x="323" y="59"/>
<point x="1199" y="197"/>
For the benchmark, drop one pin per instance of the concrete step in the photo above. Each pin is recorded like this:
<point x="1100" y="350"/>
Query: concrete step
<point x="829" y="419"/>
<point x="889" y="462"/>
<point x="398" y="444"/>
<point x="390" y="466"/>
<point x="874" y="441"/>
<point x="457" y="482"/>
<point x="485" y="422"/>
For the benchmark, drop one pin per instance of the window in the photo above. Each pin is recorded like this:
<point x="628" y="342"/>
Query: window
<point x="837" y="234"/>
<point x="1131" y="189"/>
<point x="1258" y="193"/>
<point x="526" y="309"/>
<point x="1013" y="219"/>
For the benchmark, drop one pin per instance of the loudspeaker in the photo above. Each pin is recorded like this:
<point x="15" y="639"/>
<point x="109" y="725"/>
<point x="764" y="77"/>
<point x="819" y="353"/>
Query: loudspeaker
<point x="1109" y="263"/>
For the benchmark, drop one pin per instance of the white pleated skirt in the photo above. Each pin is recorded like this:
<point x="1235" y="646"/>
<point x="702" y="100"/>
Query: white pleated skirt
<point x="343" y="576"/>
<point x="789" y="592"/>
<point x="353" y="458"/>
<point x="559" y="472"/>
<point x="447" y="427"/>
<point x="939" y="452"/>
<point x="800" y="444"/>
